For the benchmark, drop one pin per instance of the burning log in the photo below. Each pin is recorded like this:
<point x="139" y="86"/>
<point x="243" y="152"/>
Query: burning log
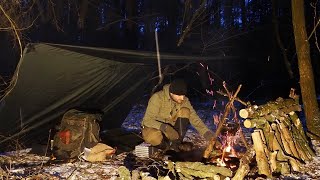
<point x="244" y="167"/>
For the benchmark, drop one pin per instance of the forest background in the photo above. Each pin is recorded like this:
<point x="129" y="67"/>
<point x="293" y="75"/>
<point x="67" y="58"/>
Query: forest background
<point x="260" y="36"/>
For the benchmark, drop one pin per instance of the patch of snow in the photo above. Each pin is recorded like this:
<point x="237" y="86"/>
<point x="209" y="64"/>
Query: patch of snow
<point x="109" y="169"/>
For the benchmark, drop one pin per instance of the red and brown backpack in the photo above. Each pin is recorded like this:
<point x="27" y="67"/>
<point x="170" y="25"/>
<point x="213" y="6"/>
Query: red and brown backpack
<point x="77" y="130"/>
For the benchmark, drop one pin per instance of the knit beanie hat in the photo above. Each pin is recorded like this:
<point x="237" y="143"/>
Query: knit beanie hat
<point x="178" y="87"/>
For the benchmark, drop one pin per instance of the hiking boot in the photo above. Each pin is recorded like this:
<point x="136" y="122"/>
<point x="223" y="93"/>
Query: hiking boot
<point x="156" y="153"/>
<point x="178" y="146"/>
<point x="164" y="145"/>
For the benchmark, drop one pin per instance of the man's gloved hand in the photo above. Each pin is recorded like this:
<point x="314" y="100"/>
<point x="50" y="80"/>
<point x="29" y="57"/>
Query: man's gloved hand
<point x="168" y="130"/>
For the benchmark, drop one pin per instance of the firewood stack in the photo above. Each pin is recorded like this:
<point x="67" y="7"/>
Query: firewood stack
<point x="279" y="141"/>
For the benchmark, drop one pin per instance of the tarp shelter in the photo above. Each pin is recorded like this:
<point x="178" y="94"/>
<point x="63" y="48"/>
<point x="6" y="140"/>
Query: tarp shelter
<point x="53" y="78"/>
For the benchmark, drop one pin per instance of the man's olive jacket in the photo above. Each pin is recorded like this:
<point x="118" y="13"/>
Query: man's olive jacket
<point x="162" y="109"/>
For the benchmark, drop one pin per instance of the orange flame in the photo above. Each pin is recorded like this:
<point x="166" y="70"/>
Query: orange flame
<point x="228" y="151"/>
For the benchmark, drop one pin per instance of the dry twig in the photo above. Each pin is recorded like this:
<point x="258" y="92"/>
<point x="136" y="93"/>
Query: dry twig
<point x="315" y="24"/>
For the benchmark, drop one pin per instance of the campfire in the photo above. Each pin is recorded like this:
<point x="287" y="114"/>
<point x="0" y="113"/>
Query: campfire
<point x="280" y="145"/>
<point x="228" y="157"/>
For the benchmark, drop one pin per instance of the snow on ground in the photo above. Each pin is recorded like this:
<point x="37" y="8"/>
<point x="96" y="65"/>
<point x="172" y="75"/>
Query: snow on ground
<point x="76" y="170"/>
<point x="311" y="170"/>
<point x="30" y="166"/>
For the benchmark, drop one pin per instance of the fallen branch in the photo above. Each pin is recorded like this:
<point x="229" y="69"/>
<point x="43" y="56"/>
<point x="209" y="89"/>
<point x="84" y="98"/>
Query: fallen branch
<point x="14" y="27"/>
<point x="193" y="19"/>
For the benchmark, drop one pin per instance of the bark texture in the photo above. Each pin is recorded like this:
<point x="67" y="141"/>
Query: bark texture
<point x="308" y="92"/>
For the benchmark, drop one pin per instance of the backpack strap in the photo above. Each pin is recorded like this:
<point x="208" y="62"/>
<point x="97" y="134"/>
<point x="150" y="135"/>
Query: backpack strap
<point x="92" y="137"/>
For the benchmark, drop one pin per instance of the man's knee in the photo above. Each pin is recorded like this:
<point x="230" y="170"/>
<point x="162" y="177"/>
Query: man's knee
<point x="184" y="113"/>
<point x="152" y="136"/>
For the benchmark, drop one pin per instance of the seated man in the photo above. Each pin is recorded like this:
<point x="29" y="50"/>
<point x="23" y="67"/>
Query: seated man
<point x="168" y="115"/>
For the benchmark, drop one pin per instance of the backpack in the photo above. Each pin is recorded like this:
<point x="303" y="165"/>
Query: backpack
<point x="77" y="130"/>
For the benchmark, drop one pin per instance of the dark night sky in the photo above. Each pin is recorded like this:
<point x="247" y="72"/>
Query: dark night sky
<point x="223" y="28"/>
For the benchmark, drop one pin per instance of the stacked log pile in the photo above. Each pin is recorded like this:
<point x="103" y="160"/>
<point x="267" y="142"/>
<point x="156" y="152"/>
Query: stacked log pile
<point x="279" y="141"/>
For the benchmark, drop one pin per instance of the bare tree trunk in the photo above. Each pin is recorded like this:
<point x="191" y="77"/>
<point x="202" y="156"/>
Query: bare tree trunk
<point x="83" y="13"/>
<point x="131" y="14"/>
<point x="243" y="13"/>
<point x="277" y="34"/>
<point x="149" y="40"/>
<point x="131" y="24"/>
<point x="172" y="14"/>
<point x="41" y="9"/>
<point x="194" y="18"/>
<point x="113" y="21"/>
<point x="228" y="14"/>
<point x="217" y="14"/>
<point x="59" y="9"/>
<point x="311" y="107"/>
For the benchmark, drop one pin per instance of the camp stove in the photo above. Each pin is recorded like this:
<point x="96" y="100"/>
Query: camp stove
<point x="145" y="150"/>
